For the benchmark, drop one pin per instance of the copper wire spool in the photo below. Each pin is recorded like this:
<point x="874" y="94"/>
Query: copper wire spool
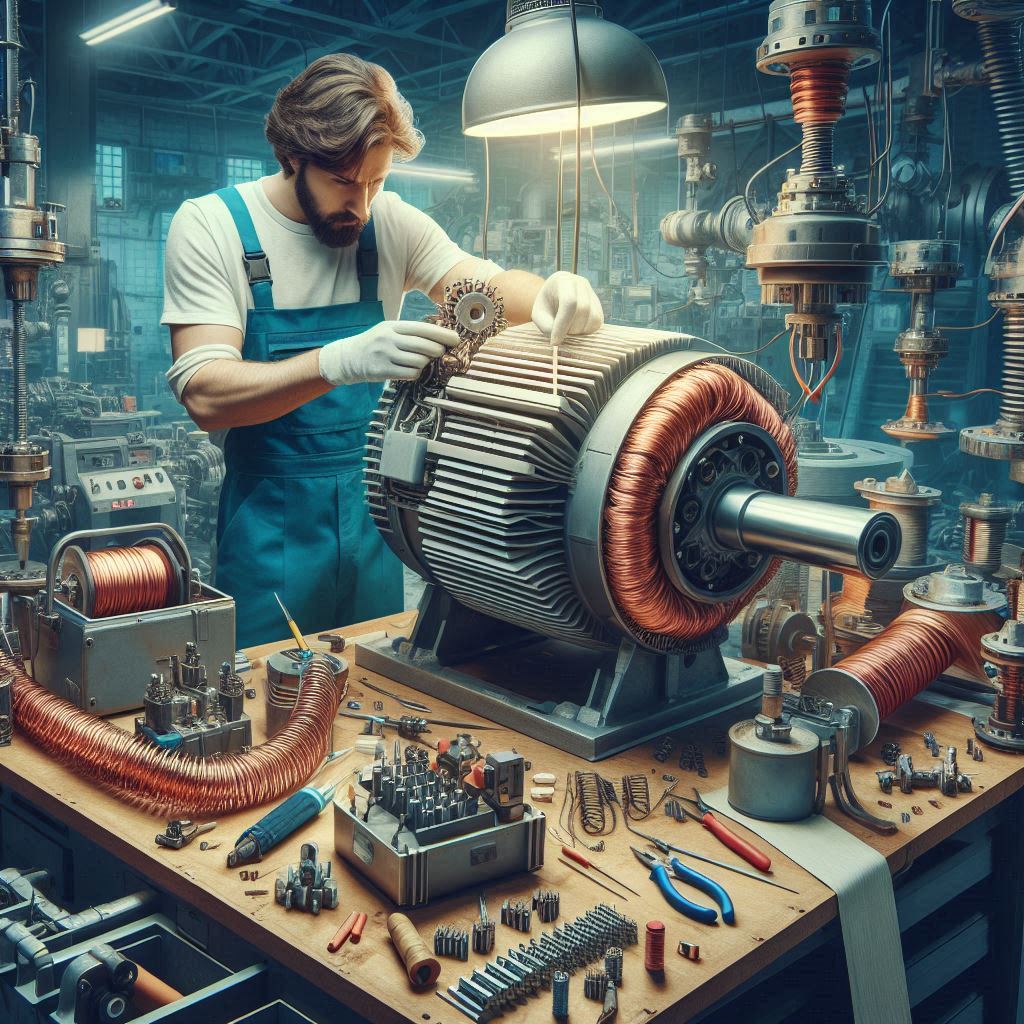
<point x="819" y="91"/>
<point x="696" y="399"/>
<point x="180" y="784"/>
<point x="121" y="580"/>
<point x="917" y="647"/>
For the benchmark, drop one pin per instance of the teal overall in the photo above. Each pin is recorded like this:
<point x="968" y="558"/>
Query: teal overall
<point x="292" y="517"/>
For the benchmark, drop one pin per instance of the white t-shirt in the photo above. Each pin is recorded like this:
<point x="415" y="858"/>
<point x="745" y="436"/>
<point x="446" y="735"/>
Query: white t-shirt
<point x="204" y="276"/>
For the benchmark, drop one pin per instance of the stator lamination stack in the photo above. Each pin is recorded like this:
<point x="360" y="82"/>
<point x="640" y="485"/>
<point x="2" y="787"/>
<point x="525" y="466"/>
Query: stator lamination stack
<point x="28" y="242"/>
<point x="585" y="549"/>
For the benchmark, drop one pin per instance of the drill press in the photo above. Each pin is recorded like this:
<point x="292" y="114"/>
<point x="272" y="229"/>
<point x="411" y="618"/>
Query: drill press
<point x="28" y="241"/>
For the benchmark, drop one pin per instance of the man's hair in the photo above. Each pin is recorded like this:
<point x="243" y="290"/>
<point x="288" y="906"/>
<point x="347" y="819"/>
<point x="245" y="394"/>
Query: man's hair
<point x="335" y="110"/>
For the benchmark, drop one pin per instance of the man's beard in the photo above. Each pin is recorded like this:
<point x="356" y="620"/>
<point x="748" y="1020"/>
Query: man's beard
<point x="335" y="231"/>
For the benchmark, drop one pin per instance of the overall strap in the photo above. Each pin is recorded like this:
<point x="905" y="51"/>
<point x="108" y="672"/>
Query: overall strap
<point x="366" y="264"/>
<point x="257" y="265"/>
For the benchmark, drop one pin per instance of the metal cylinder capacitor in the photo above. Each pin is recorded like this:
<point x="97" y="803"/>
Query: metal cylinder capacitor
<point x="773" y="765"/>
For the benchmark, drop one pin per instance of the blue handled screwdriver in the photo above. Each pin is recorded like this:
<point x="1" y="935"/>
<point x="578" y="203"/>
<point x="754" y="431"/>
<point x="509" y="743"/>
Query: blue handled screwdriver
<point x="282" y="821"/>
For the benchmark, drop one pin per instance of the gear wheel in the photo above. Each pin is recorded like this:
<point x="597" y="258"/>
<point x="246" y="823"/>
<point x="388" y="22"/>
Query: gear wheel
<point x="475" y="312"/>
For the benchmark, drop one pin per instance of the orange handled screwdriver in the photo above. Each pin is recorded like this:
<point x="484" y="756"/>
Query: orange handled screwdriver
<point x="725" y="835"/>
<point x="581" y="860"/>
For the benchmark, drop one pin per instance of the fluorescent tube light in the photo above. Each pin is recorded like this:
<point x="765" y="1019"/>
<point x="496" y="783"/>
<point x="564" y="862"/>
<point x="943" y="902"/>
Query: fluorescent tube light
<point x="124" y="22"/>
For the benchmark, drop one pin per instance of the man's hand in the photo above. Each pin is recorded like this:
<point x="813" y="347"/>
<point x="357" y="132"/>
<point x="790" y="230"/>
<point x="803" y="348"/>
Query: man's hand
<point x="393" y="350"/>
<point x="566" y="304"/>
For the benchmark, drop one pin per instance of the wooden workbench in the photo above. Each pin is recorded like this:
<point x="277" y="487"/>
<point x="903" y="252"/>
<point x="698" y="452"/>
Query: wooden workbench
<point x="368" y="977"/>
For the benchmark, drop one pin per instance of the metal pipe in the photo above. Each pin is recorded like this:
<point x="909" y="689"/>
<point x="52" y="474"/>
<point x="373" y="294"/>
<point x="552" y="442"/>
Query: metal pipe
<point x="831" y="536"/>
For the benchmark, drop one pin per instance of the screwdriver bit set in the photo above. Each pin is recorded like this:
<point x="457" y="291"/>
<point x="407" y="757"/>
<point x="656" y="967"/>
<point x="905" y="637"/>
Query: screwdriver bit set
<point x="527" y="969"/>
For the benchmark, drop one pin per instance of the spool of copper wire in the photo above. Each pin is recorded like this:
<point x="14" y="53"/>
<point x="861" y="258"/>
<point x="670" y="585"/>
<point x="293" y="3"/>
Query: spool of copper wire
<point x="654" y="947"/>
<point x="684" y="408"/>
<point x="121" y="580"/>
<point x="916" y="648"/>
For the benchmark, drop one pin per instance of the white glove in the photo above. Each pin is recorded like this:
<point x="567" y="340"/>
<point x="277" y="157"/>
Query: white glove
<point x="393" y="350"/>
<point x="566" y="304"/>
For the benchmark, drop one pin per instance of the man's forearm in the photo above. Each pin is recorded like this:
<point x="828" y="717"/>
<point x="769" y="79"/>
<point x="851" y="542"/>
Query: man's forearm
<point x="225" y="393"/>
<point x="518" y="290"/>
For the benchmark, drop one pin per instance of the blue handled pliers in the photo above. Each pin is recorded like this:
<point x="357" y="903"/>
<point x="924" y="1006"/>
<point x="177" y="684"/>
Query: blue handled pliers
<point x="659" y="870"/>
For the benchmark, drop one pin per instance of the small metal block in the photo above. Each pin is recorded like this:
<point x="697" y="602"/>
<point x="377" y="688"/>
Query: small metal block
<point x="979" y="754"/>
<point x="935" y="803"/>
<point x="689" y="950"/>
<point x="916" y="809"/>
<point x="354" y="705"/>
<point x="884" y="803"/>
<point x="250" y="692"/>
<point x="904" y="817"/>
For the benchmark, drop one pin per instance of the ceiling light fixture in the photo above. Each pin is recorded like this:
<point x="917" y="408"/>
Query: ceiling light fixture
<point x="138" y="15"/>
<point x="415" y="170"/>
<point x="525" y="83"/>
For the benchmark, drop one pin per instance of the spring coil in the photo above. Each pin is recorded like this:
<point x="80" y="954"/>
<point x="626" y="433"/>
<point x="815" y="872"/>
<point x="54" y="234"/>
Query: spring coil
<point x="1011" y="409"/>
<point x="596" y="796"/>
<point x="1004" y="69"/>
<point x="636" y="797"/>
<point x="794" y="670"/>
<point x="817" y="155"/>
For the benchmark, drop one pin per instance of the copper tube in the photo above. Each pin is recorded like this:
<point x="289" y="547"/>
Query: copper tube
<point x="150" y="993"/>
<point x="180" y="784"/>
<point x="914" y="649"/>
<point x="697" y="398"/>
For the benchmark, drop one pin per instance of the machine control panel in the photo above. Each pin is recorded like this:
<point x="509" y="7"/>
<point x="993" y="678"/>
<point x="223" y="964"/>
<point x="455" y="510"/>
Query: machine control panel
<point x="113" y="490"/>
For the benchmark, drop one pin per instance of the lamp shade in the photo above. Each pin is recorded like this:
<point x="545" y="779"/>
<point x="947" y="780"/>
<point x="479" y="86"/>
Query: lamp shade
<point x="525" y="83"/>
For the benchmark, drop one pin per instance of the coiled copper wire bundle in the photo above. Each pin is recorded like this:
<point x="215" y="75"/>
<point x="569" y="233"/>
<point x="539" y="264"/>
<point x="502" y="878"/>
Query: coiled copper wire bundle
<point x="681" y="410"/>
<point x="914" y="649"/>
<point x="124" y="580"/>
<point x="179" y="784"/>
<point x="818" y="92"/>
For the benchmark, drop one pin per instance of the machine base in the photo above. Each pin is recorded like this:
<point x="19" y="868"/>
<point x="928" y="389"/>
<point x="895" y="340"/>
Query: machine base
<point x="509" y="686"/>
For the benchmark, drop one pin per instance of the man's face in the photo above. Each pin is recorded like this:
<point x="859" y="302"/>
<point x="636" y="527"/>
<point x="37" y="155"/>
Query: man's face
<point x="336" y="203"/>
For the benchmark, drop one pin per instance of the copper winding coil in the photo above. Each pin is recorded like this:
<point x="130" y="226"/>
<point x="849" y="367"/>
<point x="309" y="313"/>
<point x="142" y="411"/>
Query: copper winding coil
<point x="917" y="409"/>
<point x="126" y="580"/>
<point x="680" y="411"/>
<point x="1009" y="700"/>
<point x="179" y="784"/>
<point x="915" y="648"/>
<point x="819" y="91"/>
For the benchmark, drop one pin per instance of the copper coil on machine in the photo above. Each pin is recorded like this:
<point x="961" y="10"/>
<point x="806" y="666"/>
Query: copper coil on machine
<point x="122" y="580"/>
<point x="985" y="523"/>
<point x="1004" y="651"/>
<point x="662" y="434"/>
<point x="147" y="776"/>
<point x="948" y="613"/>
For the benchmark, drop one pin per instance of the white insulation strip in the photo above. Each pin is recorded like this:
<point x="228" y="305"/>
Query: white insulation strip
<point x="860" y="878"/>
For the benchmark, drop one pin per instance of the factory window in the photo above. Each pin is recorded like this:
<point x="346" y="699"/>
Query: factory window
<point x="110" y="177"/>
<point x="243" y="168"/>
